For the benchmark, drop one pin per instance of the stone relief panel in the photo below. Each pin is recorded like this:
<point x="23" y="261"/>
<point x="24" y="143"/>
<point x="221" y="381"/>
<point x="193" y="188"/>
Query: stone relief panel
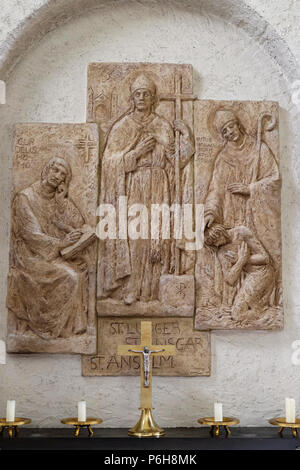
<point x="238" y="270"/>
<point x="145" y="117"/>
<point x="149" y="157"/>
<point x="51" y="281"/>
<point x="145" y="114"/>
<point x="192" y="356"/>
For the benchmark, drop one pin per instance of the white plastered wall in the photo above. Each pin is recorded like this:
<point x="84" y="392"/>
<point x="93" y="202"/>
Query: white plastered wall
<point x="239" y="50"/>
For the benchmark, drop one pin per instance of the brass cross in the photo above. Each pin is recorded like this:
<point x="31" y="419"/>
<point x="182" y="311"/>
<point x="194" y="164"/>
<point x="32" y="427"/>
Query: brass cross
<point x="141" y="350"/>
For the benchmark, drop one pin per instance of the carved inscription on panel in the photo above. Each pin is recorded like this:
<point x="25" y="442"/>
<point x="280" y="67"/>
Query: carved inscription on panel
<point x="192" y="356"/>
<point x="238" y="271"/>
<point x="51" y="281"/>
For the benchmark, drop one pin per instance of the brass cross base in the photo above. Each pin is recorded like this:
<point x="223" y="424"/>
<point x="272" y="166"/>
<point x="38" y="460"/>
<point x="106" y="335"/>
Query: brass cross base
<point x="216" y="425"/>
<point x="146" y="426"/>
<point x="281" y="422"/>
<point x="82" y="424"/>
<point x="12" y="426"/>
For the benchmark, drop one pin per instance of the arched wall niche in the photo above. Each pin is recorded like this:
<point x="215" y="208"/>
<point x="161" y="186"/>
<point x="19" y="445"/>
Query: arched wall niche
<point x="54" y="13"/>
<point x="245" y="365"/>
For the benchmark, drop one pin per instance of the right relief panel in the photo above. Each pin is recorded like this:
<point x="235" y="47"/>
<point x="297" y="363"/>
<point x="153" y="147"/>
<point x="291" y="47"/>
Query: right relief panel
<point x="238" y="270"/>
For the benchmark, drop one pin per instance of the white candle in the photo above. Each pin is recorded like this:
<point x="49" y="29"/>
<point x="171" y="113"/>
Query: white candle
<point x="218" y="412"/>
<point x="81" y="411"/>
<point x="290" y="410"/>
<point x="10" y="410"/>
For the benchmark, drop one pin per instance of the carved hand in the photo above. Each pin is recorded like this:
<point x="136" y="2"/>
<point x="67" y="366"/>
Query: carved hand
<point x="181" y="127"/>
<point x="231" y="256"/>
<point x="144" y="146"/>
<point x="239" y="188"/>
<point x="61" y="193"/>
<point x="72" y="237"/>
<point x="208" y="220"/>
<point x="243" y="253"/>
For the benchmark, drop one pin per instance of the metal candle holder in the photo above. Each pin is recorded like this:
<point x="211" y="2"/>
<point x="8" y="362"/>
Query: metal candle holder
<point x="216" y="425"/>
<point x="281" y="422"/>
<point x="81" y="424"/>
<point x="12" y="426"/>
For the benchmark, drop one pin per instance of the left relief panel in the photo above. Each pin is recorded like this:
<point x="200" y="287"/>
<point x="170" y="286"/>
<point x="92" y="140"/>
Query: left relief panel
<point x="53" y="246"/>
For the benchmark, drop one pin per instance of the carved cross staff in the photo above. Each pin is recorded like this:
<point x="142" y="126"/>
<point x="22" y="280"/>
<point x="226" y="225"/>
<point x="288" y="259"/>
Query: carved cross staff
<point x="178" y="97"/>
<point x="144" y="350"/>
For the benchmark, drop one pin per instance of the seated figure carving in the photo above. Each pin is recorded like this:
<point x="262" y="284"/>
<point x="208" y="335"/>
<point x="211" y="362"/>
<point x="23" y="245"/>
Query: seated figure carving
<point x="47" y="295"/>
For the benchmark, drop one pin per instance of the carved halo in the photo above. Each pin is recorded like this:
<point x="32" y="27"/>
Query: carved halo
<point x="245" y="114"/>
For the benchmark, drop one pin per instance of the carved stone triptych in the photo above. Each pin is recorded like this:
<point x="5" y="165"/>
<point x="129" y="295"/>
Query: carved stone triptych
<point x="162" y="207"/>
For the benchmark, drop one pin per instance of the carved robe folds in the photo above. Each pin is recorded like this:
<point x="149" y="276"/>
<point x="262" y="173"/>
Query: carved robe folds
<point x="144" y="181"/>
<point x="242" y="195"/>
<point x="58" y="307"/>
<point x="257" y="168"/>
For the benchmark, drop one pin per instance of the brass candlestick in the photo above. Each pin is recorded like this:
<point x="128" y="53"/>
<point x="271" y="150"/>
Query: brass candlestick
<point x="13" y="426"/>
<point x="216" y="425"/>
<point x="281" y="422"/>
<point x="81" y="424"/>
<point x="146" y="426"/>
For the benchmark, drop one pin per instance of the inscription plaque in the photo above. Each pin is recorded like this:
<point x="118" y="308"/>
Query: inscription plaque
<point x="192" y="348"/>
